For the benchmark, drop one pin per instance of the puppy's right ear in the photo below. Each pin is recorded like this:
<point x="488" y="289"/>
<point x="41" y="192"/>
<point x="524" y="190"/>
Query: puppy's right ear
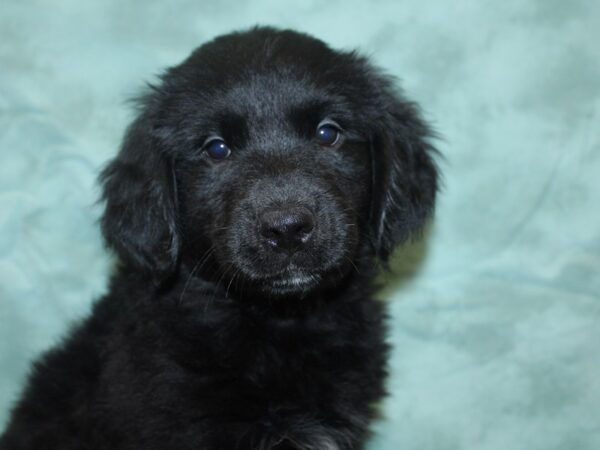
<point x="140" y="219"/>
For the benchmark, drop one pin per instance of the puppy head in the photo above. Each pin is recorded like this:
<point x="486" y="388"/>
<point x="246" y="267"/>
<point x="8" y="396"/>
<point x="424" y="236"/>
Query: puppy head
<point x="269" y="162"/>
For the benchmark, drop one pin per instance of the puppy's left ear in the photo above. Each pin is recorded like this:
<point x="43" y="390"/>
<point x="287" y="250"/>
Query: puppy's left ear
<point x="405" y="176"/>
<point x="139" y="221"/>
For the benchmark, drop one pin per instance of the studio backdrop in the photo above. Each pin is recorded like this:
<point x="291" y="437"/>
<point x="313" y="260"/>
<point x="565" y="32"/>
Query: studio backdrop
<point x="494" y="313"/>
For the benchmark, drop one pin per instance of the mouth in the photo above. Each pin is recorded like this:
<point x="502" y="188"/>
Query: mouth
<point x="291" y="282"/>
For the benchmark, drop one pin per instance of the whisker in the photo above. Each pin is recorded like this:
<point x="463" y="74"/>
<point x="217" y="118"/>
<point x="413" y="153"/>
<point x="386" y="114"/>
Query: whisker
<point x="214" y="296"/>
<point x="196" y="267"/>
<point x="352" y="262"/>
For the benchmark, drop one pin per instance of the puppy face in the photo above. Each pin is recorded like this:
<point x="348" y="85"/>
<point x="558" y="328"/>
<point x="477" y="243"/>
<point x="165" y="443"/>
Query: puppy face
<point x="269" y="162"/>
<point x="277" y="183"/>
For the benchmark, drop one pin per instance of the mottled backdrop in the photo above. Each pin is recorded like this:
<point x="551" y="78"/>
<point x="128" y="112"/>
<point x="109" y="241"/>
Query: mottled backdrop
<point x="495" y="317"/>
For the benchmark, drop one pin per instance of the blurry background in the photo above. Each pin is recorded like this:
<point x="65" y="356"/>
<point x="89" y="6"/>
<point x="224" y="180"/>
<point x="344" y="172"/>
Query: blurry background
<point x="495" y="318"/>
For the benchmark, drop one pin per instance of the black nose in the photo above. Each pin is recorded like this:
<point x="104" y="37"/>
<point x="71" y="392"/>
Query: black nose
<point x="286" y="229"/>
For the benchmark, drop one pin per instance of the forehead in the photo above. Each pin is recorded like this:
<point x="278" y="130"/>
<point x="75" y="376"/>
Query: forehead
<point x="274" y="94"/>
<point x="280" y="98"/>
<point x="258" y="94"/>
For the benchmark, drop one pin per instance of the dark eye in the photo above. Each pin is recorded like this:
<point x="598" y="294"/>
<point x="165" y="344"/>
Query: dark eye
<point x="216" y="148"/>
<point x="328" y="134"/>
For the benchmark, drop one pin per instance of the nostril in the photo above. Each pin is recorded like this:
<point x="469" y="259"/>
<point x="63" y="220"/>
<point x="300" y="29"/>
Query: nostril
<point x="287" y="228"/>
<point x="271" y="232"/>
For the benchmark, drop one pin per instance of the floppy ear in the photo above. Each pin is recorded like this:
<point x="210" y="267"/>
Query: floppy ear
<point x="139" y="221"/>
<point x="405" y="178"/>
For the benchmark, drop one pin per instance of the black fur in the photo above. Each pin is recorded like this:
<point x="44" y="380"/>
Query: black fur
<point x="214" y="335"/>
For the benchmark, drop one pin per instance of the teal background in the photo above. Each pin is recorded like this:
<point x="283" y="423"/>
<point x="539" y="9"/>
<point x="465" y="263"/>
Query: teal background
<point x="495" y="317"/>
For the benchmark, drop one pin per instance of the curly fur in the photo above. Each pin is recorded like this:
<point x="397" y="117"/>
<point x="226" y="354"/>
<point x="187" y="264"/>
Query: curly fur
<point x="210" y="337"/>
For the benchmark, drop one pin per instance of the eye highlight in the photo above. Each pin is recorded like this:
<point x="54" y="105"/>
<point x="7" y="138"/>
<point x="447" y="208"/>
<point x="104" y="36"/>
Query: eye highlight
<point x="216" y="148"/>
<point x="328" y="134"/>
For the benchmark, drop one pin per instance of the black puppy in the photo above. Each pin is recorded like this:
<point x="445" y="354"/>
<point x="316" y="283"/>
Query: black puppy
<point x="250" y="202"/>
